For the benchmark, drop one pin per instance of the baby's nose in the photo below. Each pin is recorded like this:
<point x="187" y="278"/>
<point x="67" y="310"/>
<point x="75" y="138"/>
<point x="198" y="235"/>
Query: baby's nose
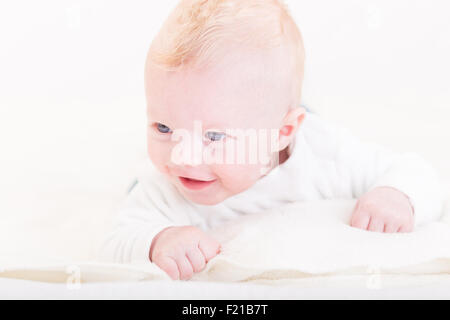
<point x="189" y="153"/>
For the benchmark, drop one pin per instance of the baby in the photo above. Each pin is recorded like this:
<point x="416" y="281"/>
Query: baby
<point x="227" y="137"/>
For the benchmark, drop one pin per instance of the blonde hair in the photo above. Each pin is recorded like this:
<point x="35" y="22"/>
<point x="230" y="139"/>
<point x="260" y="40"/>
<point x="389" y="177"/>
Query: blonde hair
<point x="198" y="32"/>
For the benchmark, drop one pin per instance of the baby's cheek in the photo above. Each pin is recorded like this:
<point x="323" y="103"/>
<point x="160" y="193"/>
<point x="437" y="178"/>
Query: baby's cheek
<point x="159" y="154"/>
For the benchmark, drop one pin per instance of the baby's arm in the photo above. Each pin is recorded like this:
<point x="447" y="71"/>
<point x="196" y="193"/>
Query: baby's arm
<point x="147" y="230"/>
<point x="395" y="191"/>
<point x="138" y="222"/>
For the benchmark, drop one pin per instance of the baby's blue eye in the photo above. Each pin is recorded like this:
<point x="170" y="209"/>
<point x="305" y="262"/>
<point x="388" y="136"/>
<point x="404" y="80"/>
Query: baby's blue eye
<point x="215" y="136"/>
<point x="162" y="128"/>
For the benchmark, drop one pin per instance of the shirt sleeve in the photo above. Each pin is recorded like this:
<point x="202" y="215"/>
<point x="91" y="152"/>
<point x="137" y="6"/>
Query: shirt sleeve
<point x="369" y="166"/>
<point x="140" y="219"/>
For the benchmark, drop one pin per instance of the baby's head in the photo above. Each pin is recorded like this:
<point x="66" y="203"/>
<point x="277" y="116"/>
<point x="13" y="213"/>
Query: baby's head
<point x="223" y="88"/>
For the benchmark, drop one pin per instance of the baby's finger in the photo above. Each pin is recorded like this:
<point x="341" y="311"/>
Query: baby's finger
<point x="210" y="248"/>
<point x="406" y="228"/>
<point x="360" y="220"/>
<point x="169" y="265"/>
<point x="376" y="225"/>
<point x="196" y="258"/>
<point x="390" y="228"/>
<point x="185" y="267"/>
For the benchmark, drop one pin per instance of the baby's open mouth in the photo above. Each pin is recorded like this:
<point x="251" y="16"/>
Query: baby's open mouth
<point x="194" y="184"/>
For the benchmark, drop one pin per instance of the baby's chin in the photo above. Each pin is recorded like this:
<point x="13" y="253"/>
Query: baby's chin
<point x="203" y="198"/>
<point x="205" y="201"/>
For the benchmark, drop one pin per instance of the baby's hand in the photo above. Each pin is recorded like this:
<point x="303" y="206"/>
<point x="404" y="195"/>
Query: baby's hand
<point x="384" y="209"/>
<point x="181" y="251"/>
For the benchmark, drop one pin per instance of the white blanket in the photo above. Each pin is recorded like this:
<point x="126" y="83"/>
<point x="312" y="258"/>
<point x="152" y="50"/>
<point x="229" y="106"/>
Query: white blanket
<point x="295" y="242"/>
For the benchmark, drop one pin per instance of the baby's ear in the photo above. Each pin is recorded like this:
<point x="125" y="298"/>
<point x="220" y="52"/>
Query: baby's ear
<point x="291" y="123"/>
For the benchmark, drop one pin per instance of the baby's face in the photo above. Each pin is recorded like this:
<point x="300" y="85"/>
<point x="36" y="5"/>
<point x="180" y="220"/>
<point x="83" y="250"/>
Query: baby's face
<point x="193" y="114"/>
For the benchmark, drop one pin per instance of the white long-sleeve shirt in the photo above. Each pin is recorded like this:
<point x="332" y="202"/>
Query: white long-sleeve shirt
<point x="326" y="162"/>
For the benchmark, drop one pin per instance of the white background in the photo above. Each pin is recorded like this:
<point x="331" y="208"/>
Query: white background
<point x="72" y="110"/>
